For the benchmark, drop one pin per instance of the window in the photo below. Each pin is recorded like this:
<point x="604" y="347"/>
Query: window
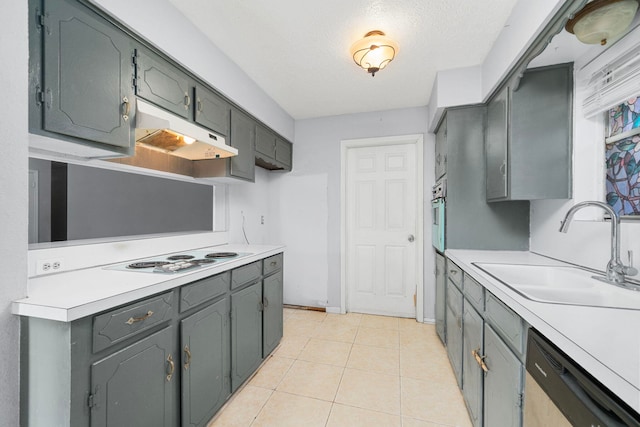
<point x="623" y="158"/>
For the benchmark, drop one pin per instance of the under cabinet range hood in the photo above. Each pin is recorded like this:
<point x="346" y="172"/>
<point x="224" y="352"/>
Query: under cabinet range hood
<point x="161" y="131"/>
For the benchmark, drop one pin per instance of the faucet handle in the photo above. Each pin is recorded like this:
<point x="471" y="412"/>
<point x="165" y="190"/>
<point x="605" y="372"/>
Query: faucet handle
<point x="629" y="270"/>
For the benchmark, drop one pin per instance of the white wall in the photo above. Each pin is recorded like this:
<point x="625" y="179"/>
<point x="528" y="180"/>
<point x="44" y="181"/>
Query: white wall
<point x="13" y="198"/>
<point x="306" y="209"/>
<point x="251" y="201"/>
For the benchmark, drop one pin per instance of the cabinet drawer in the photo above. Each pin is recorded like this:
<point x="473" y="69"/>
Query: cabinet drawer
<point x="505" y="322"/>
<point x="245" y="274"/>
<point x="454" y="301"/>
<point x="203" y="290"/>
<point x="271" y="264"/>
<point x="114" y="326"/>
<point x="474" y="292"/>
<point x="454" y="273"/>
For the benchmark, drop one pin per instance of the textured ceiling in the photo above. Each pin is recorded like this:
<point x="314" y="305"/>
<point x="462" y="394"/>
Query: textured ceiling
<point x="298" y="51"/>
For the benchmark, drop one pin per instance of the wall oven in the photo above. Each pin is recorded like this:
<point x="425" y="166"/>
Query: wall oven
<point x="438" y="194"/>
<point x="559" y="393"/>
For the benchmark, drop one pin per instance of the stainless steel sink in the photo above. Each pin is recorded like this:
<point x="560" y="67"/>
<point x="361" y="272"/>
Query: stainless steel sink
<point x="561" y="285"/>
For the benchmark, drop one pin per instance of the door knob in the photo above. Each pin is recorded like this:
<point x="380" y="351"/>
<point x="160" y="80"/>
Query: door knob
<point x="411" y="238"/>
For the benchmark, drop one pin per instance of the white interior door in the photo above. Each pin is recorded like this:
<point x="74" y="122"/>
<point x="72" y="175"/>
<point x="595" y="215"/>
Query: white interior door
<point x="381" y="205"/>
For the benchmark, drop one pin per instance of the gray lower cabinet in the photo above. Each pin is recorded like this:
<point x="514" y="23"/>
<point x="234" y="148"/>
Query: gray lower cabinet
<point x="86" y="70"/>
<point x="485" y="344"/>
<point x="206" y="363"/>
<point x="135" y="386"/>
<point x="246" y="333"/>
<point x="455" y="330"/>
<point x="473" y="374"/>
<point x="441" y="297"/>
<point x="502" y="384"/>
<point x="272" y="317"/>
<point x="161" y="83"/>
<point x="167" y="360"/>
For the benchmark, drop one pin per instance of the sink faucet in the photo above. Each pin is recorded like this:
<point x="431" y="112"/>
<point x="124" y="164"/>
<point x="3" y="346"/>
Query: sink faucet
<point x="616" y="271"/>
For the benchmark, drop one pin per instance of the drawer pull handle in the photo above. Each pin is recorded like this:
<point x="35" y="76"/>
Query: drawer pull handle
<point x="133" y="320"/>
<point x="187" y="101"/>
<point x="172" y="367"/>
<point x="480" y="360"/>
<point x="453" y="271"/>
<point x="127" y="108"/>
<point x="273" y="263"/>
<point x="187" y="351"/>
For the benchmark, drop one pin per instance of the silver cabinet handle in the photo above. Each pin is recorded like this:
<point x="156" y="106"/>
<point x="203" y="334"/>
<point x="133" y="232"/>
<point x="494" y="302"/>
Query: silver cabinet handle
<point x="411" y="238"/>
<point x="187" y="100"/>
<point x="127" y="108"/>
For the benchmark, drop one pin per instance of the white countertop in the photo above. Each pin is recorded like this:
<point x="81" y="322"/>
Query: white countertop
<point x="71" y="295"/>
<point x="604" y="341"/>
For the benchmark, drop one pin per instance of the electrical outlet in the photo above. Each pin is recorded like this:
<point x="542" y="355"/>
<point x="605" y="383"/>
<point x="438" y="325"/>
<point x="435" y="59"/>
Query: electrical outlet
<point x="46" y="266"/>
<point x="262" y="219"/>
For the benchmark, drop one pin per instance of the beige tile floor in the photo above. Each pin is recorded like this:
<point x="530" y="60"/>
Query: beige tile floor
<point x="348" y="371"/>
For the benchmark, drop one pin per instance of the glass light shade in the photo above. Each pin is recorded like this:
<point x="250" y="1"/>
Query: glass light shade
<point x="374" y="51"/>
<point x="603" y="20"/>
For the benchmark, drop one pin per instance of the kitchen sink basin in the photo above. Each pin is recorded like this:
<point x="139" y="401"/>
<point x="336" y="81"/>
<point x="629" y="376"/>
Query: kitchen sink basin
<point x="562" y="285"/>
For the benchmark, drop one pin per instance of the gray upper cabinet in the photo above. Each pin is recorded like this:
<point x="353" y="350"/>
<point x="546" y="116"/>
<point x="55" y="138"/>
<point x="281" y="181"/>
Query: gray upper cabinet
<point x="496" y="145"/>
<point x="441" y="149"/>
<point x="135" y="386"/>
<point x="243" y="134"/>
<point x="86" y="92"/>
<point x="163" y="84"/>
<point x="205" y="364"/>
<point x="272" y="152"/>
<point x="265" y="144"/>
<point x="211" y="111"/>
<point x="528" y="137"/>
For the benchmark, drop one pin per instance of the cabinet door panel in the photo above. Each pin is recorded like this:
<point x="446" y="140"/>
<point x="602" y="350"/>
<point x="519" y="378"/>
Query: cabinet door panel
<point x="284" y="153"/>
<point x="212" y="111"/>
<point x="265" y="143"/>
<point x="163" y="84"/>
<point x="205" y="363"/>
<point x="502" y="384"/>
<point x="272" y="318"/>
<point x="242" y="137"/>
<point x="441" y="299"/>
<point x="246" y="333"/>
<point x="441" y="149"/>
<point x="471" y="370"/>
<point x="132" y="388"/>
<point x="454" y="330"/>
<point x="496" y="146"/>
<point x="87" y="76"/>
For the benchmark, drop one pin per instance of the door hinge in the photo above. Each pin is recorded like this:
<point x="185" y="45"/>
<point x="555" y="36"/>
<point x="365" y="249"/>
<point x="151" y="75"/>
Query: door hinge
<point x="91" y="401"/>
<point x="520" y="400"/>
<point x="39" y="96"/>
<point x="134" y="58"/>
<point x="40" y="19"/>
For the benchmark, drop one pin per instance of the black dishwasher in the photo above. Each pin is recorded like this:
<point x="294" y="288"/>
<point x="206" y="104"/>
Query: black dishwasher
<point x="559" y="392"/>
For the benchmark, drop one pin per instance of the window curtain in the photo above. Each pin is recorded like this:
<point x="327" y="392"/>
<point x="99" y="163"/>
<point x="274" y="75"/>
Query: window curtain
<point x="623" y="158"/>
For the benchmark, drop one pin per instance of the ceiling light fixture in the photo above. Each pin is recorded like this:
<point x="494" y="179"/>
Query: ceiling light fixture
<point x="374" y="51"/>
<point x="602" y="20"/>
